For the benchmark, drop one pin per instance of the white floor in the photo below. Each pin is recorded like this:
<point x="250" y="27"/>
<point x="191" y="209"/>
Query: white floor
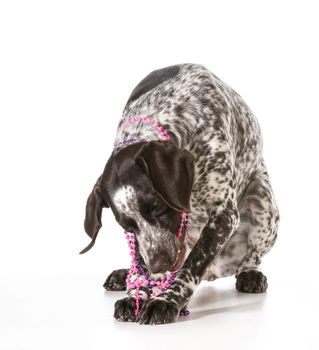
<point x="74" y="312"/>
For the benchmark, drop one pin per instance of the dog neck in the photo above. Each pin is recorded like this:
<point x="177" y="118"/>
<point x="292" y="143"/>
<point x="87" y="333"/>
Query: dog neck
<point x="157" y="127"/>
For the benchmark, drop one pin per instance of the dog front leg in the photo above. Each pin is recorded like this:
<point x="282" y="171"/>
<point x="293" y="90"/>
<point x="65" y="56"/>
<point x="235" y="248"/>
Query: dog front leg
<point x="125" y="309"/>
<point x="165" y="307"/>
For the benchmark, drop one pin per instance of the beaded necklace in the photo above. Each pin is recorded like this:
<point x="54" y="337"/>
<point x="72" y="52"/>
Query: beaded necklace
<point x="137" y="277"/>
<point x="158" y="127"/>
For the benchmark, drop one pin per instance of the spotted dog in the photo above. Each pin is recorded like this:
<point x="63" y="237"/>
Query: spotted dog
<point x="211" y="166"/>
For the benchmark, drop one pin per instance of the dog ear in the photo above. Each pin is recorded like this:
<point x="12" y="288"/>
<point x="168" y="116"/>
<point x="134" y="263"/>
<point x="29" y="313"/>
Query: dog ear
<point x="94" y="206"/>
<point x="171" y="171"/>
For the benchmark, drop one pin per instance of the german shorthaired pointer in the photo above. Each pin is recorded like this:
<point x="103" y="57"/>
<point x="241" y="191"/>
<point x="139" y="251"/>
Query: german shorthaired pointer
<point x="186" y="142"/>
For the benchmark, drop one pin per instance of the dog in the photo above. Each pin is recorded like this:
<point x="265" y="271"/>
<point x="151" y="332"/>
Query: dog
<point x="186" y="142"/>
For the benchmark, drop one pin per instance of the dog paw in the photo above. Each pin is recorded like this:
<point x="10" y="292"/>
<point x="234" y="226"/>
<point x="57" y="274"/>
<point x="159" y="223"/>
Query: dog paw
<point x="158" y="311"/>
<point x="124" y="309"/>
<point x="116" y="280"/>
<point x="251" y="282"/>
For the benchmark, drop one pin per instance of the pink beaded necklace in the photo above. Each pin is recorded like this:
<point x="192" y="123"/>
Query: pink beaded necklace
<point x="137" y="276"/>
<point x="158" y="127"/>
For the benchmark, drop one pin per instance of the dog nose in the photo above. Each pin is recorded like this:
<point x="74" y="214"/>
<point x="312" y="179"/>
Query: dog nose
<point x="158" y="265"/>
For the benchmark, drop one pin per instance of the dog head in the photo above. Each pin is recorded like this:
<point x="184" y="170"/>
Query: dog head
<point x="146" y="185"/>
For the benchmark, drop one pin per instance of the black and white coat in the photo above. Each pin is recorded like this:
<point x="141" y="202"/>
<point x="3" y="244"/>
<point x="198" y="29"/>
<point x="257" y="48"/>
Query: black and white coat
<point x="234" y="217"/>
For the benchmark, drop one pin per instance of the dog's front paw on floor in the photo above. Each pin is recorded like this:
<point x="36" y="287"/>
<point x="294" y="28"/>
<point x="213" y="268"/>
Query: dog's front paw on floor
<point x="116" y="280"/>
<point x="251" y="282"/>
<point x="124" y="309"/>
<point x="158" y="312"/>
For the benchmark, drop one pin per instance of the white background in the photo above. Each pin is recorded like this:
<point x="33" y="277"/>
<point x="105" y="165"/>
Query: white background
<point x="66" y="71"/>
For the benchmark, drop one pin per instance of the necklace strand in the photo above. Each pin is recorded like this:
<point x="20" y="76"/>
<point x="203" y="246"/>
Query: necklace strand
<point x="137" y="276"/>
<point x="141" y="119"/>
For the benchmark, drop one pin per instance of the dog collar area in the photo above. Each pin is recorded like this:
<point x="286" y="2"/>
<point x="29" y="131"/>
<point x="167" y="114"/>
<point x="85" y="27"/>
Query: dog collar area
<point x="141" y="119"/>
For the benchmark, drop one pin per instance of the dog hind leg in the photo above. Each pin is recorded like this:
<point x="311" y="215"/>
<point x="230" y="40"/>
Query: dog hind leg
<point x="254" y="237"/>
<point x="260" y="210"/>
